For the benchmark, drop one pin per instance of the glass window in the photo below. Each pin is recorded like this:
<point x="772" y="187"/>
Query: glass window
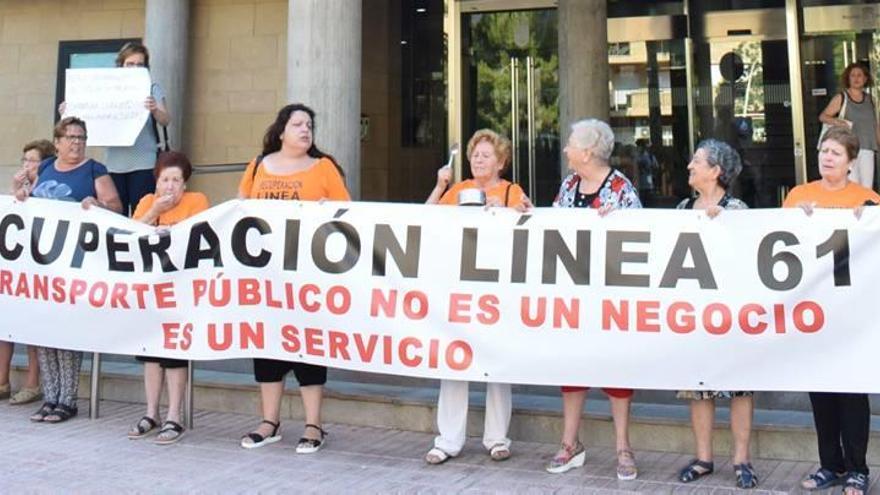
<point x="423" y="53"/>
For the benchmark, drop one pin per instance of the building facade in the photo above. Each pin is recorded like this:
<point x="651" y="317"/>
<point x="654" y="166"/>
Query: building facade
<point x="397" y="82"/>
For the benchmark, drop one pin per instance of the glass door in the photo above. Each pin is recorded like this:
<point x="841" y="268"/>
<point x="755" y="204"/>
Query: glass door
<point x="510" y="84"/>
<point x="743" y="98"/>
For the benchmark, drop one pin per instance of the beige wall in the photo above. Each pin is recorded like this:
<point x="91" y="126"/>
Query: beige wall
<point x="237" y="81"/>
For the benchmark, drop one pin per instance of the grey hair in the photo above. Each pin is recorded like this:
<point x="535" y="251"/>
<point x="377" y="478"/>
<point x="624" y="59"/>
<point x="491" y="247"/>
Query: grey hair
<point x="720" y="154"/>
<point x="595" y="135"/>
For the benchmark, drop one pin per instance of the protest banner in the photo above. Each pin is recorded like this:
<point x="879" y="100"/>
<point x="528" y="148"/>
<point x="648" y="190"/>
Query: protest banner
<point x="655" y="299"/>
<point x="110" y="101"/>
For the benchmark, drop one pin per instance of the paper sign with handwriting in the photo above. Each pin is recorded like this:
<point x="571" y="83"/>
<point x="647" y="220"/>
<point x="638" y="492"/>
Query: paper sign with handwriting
<point x="110" y="101"/>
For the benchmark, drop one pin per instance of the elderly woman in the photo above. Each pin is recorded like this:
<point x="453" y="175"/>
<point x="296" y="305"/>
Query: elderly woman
<point x="291" y="167"/>
<point x="842" y="419"/>
<point x="713" y="169"/>
<point x="170" y="204"/>
<point x="489" y="155"/>
<point x="33" y="154"/>
<point x="594" y="184"/>
<point x="69" y="177"/>
<point x="860" y="116"/>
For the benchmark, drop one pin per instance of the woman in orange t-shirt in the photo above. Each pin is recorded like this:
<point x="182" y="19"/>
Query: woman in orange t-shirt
<point x="170" y="204"/>
<point x="843" y="420"/>
<point x="291" y="167"/>
<point x="489" y="155"/>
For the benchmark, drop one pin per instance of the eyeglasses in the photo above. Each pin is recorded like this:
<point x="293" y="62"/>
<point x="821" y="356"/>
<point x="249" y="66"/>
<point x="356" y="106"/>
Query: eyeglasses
<point x="134" y="64"/>
<point x="30" y="160"/>
<point x="76" y="138"/>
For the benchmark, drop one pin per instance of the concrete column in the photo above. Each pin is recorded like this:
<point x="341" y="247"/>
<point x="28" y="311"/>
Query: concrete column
<point x="324" y="72"/>
<point x="583" y="63"/>
<point x="166" y="35"/>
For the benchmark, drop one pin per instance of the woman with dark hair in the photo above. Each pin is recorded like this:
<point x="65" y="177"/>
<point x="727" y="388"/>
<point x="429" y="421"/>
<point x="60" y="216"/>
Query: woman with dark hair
<point x="71" y="176"/>
<point x="131" y="167"/>
<point x="170" y="205"/>
<point x="33" y="154"/>
<point x="291" y="167"/>
<point x="843" y="420"/>
<point x="854" y="108"/>
<point x="712" y="170"/>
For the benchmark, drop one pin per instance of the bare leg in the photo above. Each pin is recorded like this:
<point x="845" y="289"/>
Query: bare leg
<point x="620" y="415"/>
<point x="741" y="426"/>
<point x="5" y="361"/>
<point x="702" y="422"/>
<point x="572" y="410"/>
<point x="270" y="400"/>
<point x="312" y="396"/>
<point x="153" y="378"/>
<point x="176" y="390"/>
<point x="33" y="371"/>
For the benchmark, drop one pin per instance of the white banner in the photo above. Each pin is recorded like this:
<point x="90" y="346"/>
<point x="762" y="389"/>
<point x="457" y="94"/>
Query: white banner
<point x="654" y="299"/>
<point x="110" y="101"/>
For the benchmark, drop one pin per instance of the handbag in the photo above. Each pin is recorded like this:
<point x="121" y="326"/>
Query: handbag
<point x="840" y="115"/>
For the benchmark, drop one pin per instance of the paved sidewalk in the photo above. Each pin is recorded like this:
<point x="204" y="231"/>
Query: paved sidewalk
<point x="83" y="456"/>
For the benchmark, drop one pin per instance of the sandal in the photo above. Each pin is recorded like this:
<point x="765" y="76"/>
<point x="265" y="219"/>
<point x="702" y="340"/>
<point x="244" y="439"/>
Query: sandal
<point x="626" y="465"/>
<point x="822" y="479"/>
<point x="44" y="410"/>
<point x="311" y="445"/>
<point x="26" y="396"/>
<point x="695" y="470"/>
<point x="170" y="433"/>
<point x="568" y="457"/>
<point x="856" y="483"/>
<point x="499" y="452"/>
<point x="436" y="456"/>
<point x="746" y="477"/>
<point x="60" y="414"/>
<point x="254" y="440"/>
<point x="143" y="428"/>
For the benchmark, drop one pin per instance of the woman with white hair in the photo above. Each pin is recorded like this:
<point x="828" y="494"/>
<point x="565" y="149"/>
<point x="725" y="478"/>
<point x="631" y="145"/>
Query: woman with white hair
<point x="594" y="184"/>
<point x="711" y="173"/>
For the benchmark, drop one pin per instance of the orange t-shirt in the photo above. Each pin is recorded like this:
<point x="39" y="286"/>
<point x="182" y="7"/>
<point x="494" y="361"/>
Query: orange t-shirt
<point x="192" y="203"/>
<point x="512" y="197"/>
<point x="320" y="181"/>
<point x="851" y="196"/>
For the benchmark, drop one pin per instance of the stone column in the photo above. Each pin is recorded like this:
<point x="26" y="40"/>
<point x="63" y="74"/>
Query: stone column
<point x="583" y="63"/>
<point x="324" y="72"/>
<point x="166" y="35"/>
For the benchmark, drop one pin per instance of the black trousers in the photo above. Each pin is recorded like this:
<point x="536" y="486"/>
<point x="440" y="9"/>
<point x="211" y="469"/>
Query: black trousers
<point x="842" y="427"/>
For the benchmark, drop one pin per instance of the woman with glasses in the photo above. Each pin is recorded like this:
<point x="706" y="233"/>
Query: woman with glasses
<point x="131" y="167"/>
<point x="71" y="176"/>
<point x="33" y="153"/>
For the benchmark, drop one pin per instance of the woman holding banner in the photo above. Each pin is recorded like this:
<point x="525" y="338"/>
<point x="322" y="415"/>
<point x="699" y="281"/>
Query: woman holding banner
<point x="842" y="419"/>
<point x="69" y="177"/>
<point x="712" y="170"/>
<point x="291" y="167"/>
<point x="489" y="155"/>
<point x="34" y="153"/>
<point x="594" y="184"/>
<point x="170" y="205"/>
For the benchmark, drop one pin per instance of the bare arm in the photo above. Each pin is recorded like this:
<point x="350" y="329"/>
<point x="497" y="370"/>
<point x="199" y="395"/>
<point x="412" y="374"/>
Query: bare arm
<point x="107" y="196"/>
<point x="829" y="115"/>
<point x="444" y="175"/>
<point x="158" y="110"/>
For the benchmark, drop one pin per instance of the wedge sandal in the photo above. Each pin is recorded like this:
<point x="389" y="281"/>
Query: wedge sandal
<point x="308" y="445"/>
<point x="143" y="428"/>
<point x="254" y="440"/>
<point x="170" y="433"/>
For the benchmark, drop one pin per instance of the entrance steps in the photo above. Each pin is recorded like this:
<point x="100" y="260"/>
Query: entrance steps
<point x="657" y="424"/>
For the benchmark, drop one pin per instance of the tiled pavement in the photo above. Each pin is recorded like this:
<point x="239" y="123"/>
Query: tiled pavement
<point x="84" y="456"/>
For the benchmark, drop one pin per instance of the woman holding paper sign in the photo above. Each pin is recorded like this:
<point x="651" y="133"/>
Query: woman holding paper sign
<point x="69" y="177"/>
<point x="170" y="205"/>
<point x="854" y="108"/>
<point x="843" y="420"/>
<point x="712" y="171"/>
<point x="131" y="167"/>
<point x="489" y="155"/>
<point x="291" y="167"/>
<point x="594" y="184"/>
